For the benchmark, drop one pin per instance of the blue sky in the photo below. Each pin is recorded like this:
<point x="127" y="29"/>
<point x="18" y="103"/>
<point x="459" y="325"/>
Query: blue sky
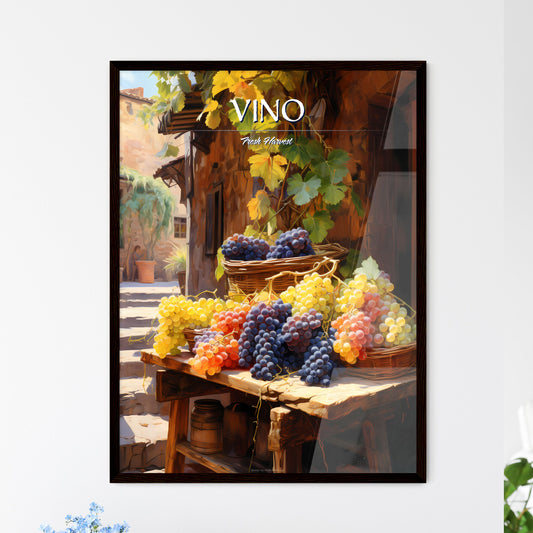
<point x="130" y="79"/>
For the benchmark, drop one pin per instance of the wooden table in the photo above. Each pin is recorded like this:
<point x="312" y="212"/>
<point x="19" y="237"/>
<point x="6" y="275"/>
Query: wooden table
<point x="296" y="418"/>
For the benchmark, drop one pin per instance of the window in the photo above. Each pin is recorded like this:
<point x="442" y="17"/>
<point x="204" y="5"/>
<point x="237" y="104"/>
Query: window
<point x="180" y="227"/>
<point x="214" y="230"/>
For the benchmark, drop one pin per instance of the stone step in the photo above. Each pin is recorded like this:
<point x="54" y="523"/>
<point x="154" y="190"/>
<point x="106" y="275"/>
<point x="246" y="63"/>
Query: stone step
<point x="132" y="366"/>
<point x="142" y="442"/>
<point x="136" y="399"/>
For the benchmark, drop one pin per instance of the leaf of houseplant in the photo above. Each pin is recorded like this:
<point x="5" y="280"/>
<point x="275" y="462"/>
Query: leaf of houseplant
<point x="318" y="225"/>
<point x="508" y="489"/>
<point x="259" y="205"/>
<point x="268" y="167"/>
<point x="369" y="267"/>
<point x="519" y="472"/>
<point x="303" y="190"/>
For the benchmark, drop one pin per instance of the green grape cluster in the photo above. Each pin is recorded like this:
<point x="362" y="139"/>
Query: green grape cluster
<point x="395" y="328"/>
<point x="313" y="292"/>
<point x="177" y="313"/>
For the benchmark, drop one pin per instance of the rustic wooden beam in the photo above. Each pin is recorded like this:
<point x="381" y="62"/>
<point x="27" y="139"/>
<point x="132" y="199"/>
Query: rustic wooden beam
<point x="176" y="386"/>
<point x="289" y="427"/>
<point x="178" y="426"/>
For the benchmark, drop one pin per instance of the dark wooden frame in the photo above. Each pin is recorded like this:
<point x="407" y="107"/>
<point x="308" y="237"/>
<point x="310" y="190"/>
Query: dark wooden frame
<point x="417" y="477"/>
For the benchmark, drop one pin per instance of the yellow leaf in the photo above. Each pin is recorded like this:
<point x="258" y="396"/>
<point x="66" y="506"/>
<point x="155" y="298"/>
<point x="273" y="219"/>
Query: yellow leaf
<point x="267" y="167"/>
<point x="280" y="160"/>
<point x="213" y="119"/>
<point x="258" y="206"/>
<point x="242" y="89"/>
<point x="210" y="105"/>
<point x="223" y="80"/>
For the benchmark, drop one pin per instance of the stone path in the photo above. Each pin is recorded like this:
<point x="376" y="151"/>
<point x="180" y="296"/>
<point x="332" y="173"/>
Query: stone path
<point x="143" y="420"/>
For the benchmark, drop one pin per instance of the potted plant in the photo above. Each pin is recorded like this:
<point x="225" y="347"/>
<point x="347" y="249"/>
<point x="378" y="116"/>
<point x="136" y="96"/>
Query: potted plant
<point x="176" y="264"/>
<point x="150" y="202"/>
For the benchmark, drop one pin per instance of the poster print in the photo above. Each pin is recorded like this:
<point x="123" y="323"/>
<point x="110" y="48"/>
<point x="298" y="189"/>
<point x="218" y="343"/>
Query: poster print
<point x="268" y="271"/>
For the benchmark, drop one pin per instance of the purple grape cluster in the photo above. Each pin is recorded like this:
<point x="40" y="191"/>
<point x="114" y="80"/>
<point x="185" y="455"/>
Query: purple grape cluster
<point x="319" y="361"/>
<point x="298" y="330"/>
<point x="206" y="336"/>
<point x="241" y="248"/>
<point x="292" y="243"/>
<point x="267" y="355"/>
<point x="261" y="318"/>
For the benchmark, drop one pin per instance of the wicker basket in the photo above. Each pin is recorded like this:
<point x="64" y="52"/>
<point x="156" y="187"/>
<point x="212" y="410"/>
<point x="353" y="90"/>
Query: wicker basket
<point x="387" y="363"/>
<point x="252" y="276"/>
<point x="190" y="336"/>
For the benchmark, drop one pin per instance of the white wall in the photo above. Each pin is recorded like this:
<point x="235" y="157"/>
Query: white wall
<point x="517" y="261"/>
<point x="54" y="447"/>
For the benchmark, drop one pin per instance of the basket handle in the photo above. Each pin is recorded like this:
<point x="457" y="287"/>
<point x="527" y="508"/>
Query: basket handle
<point x="317" y="265"/>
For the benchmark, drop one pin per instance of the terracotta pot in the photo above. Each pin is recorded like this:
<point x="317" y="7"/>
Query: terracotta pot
<point x="146" y="271"/>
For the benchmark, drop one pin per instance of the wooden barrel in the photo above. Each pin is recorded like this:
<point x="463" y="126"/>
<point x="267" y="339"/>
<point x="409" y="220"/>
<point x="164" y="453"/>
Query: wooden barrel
<point x="206" y="426"/>
<point x="237" y="429"/>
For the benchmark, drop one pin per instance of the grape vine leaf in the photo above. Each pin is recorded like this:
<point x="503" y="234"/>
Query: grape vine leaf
<point x="369" y="267"/>
<point x="212" y="120"/>
<point x="259" y="205"/>
<point x="178" y="102"/>
<point x="348" y="265"/>
<point x="318" y="225"/>
<point x="297" y="151"/>
<point x="168" y="150"/>
<point x="272" y="224"/>
<point x="247" y="125"/>
<point x="223" y="80"/>
<point x="334" y="167"/>
<point x="264" y="82"/>
<point x="358" y="204"/>
<point x="268" y="167"/>
<point x="333" y="194"/>
<point x="219" y="270"/>
<point x="183" y="82"/>
<point x="303" y="190"/>
<point x="285" y="79"/>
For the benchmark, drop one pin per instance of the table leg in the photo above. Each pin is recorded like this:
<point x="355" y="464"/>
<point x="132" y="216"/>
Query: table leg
<point x="288" y="460"/>
<point x="377" y="445"/>
<point x="178" y="425"/>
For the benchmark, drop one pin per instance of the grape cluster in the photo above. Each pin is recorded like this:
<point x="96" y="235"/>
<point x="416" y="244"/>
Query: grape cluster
<point x="211" y="357"/>
<point x="241" y="248"/>
<point x="313" y="292"/>
<point x="299" y="329"/>
<point x="267" y="355"/>
<point x="206" y="336"/>
<point x="262" y="317"/>
<point x="293" y="243"/>
<point x="177" y="313"/>
<point x="354" y="332"/>
<point x="231" y="321"/>
<point x="319" y="361"/>
<point x="395" y="327"/>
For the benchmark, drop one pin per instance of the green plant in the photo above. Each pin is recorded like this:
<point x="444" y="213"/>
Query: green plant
<point x="518" y="482"/>
<point x="150" y="202"/>
<point x="303" y="177"/>
<point x="177" y="261"/>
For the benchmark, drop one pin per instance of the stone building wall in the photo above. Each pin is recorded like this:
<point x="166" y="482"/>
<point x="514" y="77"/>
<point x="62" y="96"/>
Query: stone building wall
<point x="138" y="149"/>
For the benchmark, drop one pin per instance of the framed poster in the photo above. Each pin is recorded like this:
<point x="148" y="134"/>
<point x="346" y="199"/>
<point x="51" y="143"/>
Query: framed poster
<point x="268" y="286"/>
